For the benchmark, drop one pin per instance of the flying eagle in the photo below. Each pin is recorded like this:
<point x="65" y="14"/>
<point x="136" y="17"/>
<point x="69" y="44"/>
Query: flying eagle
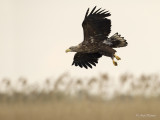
<point x="96" y="28"/>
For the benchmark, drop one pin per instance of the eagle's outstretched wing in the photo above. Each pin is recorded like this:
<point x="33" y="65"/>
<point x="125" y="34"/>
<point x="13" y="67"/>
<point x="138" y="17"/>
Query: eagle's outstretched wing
<point x="86" y="59"/>
<point x="96" y="25"/>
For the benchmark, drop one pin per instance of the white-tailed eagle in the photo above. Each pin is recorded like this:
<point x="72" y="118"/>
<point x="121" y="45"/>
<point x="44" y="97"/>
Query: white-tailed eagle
<point x="96" y="28"/>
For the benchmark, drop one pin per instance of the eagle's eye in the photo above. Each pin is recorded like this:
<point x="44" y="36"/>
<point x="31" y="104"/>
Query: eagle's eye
<point x="71" y="48"/>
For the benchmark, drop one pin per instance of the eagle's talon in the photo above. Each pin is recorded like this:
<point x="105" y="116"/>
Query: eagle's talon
<point x="117" y="57"/>
<point x="115" y="63"/>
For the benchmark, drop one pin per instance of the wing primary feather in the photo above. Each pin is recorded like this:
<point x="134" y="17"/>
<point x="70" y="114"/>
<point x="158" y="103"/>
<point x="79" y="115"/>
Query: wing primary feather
<point x="100" y="12"/>
<point x="96" y="61"/>
<point x="80" y="65"/>
<point x="89" y="65"/>
<point x="107" y="13"/>
<point x="92" y="10"/>
<point x="91" y="62"/>
<point x="84" y="65"/>
<point x="76" y="64"/>
<point x="97" y="11"/>
<point x="87" y="13"/>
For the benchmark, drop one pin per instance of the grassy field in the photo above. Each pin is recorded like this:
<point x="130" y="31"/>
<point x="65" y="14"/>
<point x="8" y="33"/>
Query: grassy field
<point x="75" y="109"/>
<point x="133" y="98"/>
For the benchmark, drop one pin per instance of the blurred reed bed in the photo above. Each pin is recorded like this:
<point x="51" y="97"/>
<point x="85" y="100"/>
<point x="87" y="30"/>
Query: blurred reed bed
<point x="68" y="98"/>
<point x="65" y="87"/>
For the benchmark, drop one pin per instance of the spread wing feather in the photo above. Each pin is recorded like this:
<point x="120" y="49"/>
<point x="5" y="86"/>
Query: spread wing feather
<point x="96" y="23"/>
<point x="86" y="59"/>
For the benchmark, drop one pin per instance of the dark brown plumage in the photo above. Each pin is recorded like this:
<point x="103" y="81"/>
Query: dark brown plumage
<point x="96" y="28"/>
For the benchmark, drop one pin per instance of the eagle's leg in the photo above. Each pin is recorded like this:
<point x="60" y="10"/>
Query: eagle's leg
<point x="114" y="62"/>
<point x="117" y="57"/>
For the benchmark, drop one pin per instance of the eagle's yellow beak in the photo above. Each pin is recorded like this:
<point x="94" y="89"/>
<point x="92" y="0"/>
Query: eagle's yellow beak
<point x="68" y="50"/>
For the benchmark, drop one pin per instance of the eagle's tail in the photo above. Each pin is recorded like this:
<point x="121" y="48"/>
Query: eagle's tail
<point x="117" y="41"/>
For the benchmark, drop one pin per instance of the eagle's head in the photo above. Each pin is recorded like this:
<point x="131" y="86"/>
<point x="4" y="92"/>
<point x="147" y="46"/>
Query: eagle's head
<point x="72" y="49"/>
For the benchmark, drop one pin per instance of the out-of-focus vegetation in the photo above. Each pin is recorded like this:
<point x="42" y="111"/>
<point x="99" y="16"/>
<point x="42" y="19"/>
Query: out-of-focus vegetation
<point x="67" y="98"/>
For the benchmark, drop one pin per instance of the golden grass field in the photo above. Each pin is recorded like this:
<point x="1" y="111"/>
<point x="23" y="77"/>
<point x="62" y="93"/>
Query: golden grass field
<point x="117" y="109"/>
<point x="74" y="101"/>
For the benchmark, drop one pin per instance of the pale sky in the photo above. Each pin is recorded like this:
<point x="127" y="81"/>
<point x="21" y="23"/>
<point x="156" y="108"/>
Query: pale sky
<point x="34" y="35"/>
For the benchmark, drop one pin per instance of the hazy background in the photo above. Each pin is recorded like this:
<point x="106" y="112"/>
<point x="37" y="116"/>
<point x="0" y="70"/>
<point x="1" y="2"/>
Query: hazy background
<point x="34" y="35"/>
